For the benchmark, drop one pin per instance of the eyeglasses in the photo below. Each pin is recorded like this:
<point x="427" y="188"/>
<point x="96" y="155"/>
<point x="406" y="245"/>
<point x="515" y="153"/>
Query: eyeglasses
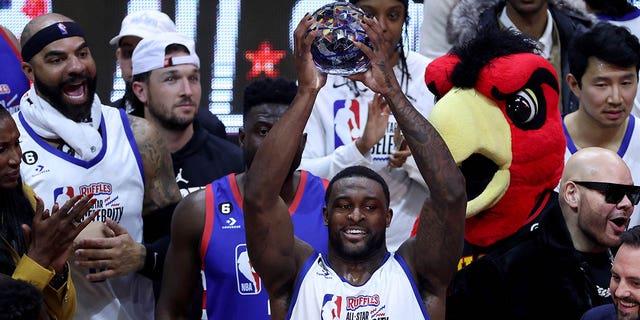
<point x="613" y="192"/>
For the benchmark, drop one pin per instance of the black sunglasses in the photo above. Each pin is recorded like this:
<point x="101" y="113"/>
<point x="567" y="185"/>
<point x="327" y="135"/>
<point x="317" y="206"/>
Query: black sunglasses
<point x="613" y="192"/>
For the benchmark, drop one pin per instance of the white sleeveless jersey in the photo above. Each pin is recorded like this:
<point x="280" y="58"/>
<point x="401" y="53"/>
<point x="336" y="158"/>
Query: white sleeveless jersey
<point x="390" y="294"/>
<point x="115" y="177"/>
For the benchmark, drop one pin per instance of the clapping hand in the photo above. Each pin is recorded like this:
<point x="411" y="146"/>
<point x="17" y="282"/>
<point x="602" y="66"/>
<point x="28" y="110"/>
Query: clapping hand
<point x="51" y="234"/>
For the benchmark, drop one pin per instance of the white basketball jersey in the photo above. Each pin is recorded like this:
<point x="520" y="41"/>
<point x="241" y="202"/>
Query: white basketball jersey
<point x="115" y="177"/>
<point x="390" y="294"/>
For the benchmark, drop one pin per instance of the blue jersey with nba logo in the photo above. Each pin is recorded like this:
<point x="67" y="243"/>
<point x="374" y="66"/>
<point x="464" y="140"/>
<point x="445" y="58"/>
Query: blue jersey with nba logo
<point x="13" y="82"/>
<point x="233" y="289"/>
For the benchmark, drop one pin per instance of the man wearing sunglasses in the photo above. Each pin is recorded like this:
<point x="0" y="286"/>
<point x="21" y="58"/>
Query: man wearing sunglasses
<point x="565" y="263"/>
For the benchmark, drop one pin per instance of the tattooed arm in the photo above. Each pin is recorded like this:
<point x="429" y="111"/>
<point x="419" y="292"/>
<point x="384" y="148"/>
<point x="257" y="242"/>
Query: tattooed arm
<point x="160" y="188"/>
<point x="161" y="195"/>
<point x="121" y="254"/>
<point x="432" y="255"/>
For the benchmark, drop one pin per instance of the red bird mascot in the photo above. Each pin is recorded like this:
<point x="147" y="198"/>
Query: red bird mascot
<point x="498" y="113"/>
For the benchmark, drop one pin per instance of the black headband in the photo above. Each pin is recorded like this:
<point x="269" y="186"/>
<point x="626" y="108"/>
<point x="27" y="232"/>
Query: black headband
<point x="49" y="34"/>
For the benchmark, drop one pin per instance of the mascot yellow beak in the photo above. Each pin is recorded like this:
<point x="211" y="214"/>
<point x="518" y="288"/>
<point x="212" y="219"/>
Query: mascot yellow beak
<point x="498" y="114"/>
<point x="473" y="114"/>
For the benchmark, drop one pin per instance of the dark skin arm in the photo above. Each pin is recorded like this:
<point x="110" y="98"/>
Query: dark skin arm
<point x="121" y="254"/>
<point x="433" y="253"/>
<point x="273" y="250"/>
<point x="182" y="266"/>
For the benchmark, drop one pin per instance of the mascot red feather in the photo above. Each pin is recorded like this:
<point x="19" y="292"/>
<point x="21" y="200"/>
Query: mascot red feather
<point x="498" y="113"/>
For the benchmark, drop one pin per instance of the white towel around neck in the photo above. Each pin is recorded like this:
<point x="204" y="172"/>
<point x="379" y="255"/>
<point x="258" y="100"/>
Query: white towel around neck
<point x="49" y="123"/>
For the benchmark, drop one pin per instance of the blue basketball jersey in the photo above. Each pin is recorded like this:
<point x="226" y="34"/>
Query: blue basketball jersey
<point x="13" y="82"/>
<point x="233" y="289"/>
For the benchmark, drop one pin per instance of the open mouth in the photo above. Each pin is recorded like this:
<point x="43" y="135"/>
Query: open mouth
<point x="75" y="91"/>
<point x="354" y="234"/>
<point x="478" y="171"/>
<point x="620" y="222"/>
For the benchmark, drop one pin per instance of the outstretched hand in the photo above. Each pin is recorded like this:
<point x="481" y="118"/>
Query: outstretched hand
<point x="50" y="237"/>
<point x="376" y="126"/>
<point x="379" y="77"/>
<point x="308" y="75"/>
<point x="113" y="256"/>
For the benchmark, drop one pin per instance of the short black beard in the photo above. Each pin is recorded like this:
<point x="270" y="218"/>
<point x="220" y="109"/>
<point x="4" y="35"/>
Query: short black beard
<point x="369" y="250"/>
<point x="168" y="122"/>
<point x="76" y="112"/>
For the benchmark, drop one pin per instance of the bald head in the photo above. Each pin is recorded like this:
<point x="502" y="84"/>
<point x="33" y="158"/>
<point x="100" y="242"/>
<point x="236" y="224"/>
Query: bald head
<point x="40" y="22"/>
<point x="11" y="36"/>
<point x="596" y="164"/>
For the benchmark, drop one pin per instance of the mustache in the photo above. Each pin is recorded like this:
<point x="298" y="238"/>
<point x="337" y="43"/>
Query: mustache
<point x="186" y="101"/>
<point x="75" y="78"/>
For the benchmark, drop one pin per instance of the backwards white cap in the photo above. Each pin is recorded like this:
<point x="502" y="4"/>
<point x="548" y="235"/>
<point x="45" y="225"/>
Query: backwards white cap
<point x="149" y="54"/>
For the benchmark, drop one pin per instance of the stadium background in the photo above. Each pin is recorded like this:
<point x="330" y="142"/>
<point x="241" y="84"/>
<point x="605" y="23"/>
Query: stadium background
<point x="237" y="40"/>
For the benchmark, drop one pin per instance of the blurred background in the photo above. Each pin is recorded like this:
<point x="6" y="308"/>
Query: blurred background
<point x="237" y="40"/>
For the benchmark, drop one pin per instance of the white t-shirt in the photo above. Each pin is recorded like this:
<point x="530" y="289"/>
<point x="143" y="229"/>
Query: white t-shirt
<point x="338" y="119"/>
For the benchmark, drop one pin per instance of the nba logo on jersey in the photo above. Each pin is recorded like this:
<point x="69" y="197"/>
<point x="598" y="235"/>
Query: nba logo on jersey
<point x="331" y="307"/>
<point x="249" y="283"/>
<point x="62" y="194"/>
<point x="347" y="124"/>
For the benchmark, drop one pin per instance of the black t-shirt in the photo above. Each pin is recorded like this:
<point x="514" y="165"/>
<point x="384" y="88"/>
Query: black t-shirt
<point x="205" y="158"/>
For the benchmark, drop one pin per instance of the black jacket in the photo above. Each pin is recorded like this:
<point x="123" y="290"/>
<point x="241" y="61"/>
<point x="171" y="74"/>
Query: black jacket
<point x="539" y="275"/>
<point x="205" y="158"/>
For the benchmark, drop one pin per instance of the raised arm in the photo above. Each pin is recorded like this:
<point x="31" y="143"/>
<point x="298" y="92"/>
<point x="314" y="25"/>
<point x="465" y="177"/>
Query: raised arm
<point x="433" y="254"/>
<point x="271" y="245"/>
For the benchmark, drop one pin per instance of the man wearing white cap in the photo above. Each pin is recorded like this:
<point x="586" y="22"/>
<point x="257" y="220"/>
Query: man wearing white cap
<point x="135" y="27"/>
<point x="166" y="79"/>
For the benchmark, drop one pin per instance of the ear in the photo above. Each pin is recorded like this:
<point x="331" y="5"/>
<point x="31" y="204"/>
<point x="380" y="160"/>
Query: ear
<point x="241" y="136"/>
<point x="118" y="53"/>
<point x="573" y="85"/>
<point x="325" y="215"/>
<point x="140" y="90"/>
<point x="389" y="216"/>
<point x="570" y="194"/>
<point x="28" y="70"/>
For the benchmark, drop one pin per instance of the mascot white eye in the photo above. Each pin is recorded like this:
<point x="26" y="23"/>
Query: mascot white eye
<point x="522" y="107"/>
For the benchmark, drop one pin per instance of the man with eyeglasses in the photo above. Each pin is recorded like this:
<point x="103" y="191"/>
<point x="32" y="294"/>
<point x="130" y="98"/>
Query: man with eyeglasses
<point x="565" y="263"/>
